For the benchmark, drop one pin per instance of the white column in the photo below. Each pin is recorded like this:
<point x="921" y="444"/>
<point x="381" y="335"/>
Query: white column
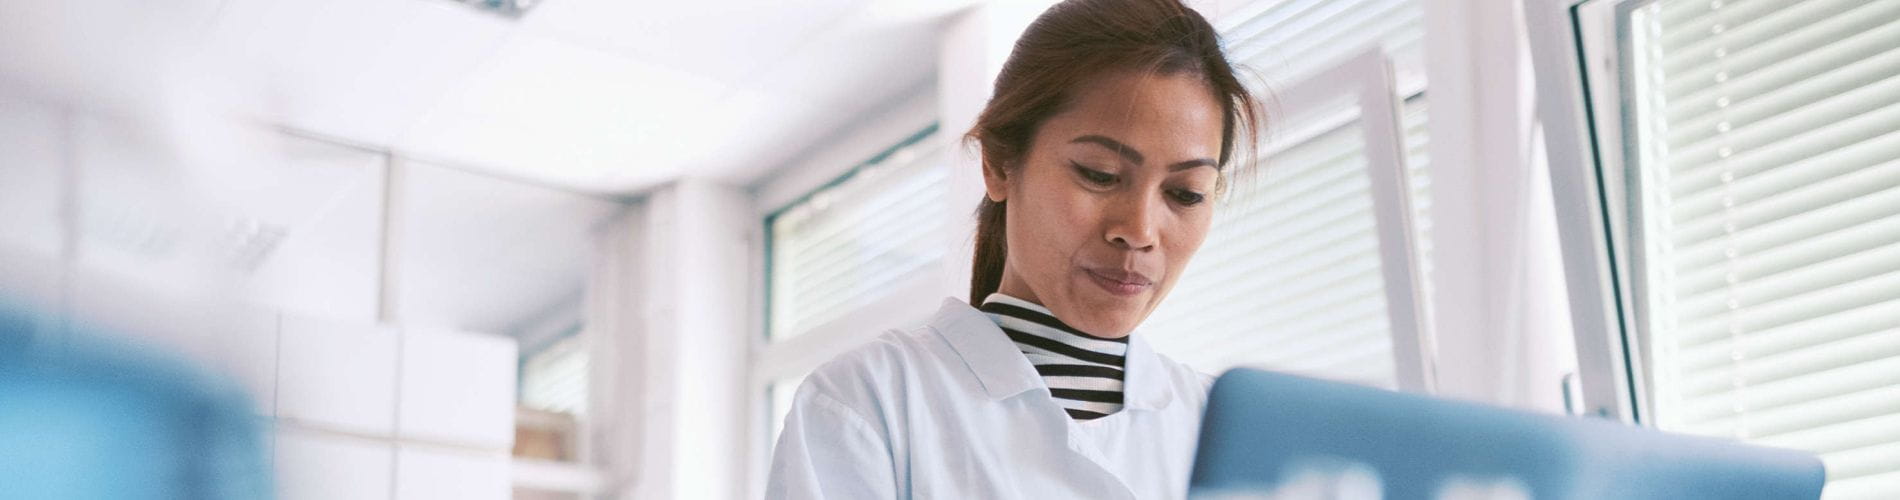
<point x="1501" y="330"/>
<point x="693" y="280"/>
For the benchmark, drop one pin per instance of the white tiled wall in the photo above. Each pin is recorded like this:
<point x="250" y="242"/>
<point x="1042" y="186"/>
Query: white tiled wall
<point x="337" y="376"/>
<point x="431" y="472"/>
<point x="316" y="465"/>
<point x="451" y="389"/>
<point x="437" y="406"/>
<point x="359" y="411"/>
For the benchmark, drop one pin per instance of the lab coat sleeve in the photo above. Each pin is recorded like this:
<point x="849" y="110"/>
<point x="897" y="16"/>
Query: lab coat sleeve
<point x="827" y="450"/>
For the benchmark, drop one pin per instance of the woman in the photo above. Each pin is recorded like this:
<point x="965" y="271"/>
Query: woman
<point x="1102" y="146"/>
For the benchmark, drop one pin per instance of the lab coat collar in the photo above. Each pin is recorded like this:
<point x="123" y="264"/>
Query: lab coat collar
<point x="1000" y="367"/>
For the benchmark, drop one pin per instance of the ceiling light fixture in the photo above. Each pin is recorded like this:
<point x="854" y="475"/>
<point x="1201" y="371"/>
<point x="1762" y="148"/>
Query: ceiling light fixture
<point x="508" y="8"/>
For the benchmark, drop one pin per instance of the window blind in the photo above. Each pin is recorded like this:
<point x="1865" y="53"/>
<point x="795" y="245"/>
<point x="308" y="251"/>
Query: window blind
<point x="1285" y="41"/>
<point x="850" y="243"/>
<point x="555" y="379"/>
<point x="1289" y="278"/>
<point x="1767" y="168"/>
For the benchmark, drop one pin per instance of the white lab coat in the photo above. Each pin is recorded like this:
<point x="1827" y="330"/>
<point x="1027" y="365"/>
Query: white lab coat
<point x="953" y="410"/>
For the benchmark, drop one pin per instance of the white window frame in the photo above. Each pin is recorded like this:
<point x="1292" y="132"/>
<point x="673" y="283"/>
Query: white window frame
<point x="1579" y="50"/>
<point x="788" y="359"/>
<point x="1367" y="80"/>
<point x="1587" y="190"/>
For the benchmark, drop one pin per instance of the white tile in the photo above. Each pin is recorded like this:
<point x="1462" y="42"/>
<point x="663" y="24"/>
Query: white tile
<point x="566" y="115"/>
<point x="698" y="37"/>
<point x="315" y="465"/>
<point x="431" y="473"/>
<point x="458" y="388"/>
<point x="337" y="375"/>
<point x="357" y="69"/>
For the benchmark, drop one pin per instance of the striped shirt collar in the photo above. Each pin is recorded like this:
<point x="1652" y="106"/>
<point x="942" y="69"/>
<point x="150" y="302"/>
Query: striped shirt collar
<point x="1084" y="373"/>
<point x="1040" y="320"/>
<point x="1000" y="368"/>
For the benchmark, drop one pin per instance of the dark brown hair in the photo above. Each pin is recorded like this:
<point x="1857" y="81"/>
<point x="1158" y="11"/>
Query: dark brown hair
<point x="1071" y="42"/>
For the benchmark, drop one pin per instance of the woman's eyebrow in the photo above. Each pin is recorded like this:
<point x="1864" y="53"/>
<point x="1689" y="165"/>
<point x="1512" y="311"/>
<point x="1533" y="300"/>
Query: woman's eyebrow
<point x="1127" y="152"/>
<point x="1134" y="156"/>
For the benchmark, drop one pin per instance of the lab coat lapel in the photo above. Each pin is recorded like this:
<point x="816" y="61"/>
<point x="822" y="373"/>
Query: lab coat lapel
<point x="1001" y="369"/>
<point x="1144" y="389"/>
<point x="994" y="361"/>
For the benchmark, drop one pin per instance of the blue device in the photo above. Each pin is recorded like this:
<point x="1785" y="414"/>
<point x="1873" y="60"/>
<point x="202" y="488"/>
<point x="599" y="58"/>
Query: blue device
<point x="1264" y="432"/>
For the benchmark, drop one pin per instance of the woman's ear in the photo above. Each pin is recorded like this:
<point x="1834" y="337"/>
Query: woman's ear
<point x="995" y="182"/>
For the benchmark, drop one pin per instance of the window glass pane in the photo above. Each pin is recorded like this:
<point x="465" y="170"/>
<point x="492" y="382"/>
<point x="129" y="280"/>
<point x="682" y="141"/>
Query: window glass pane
<point x="1290" y="277"/>
<point x="1418" y="163"/>
<point x="851" y="243"/>
<point x="555" y="379"/>
<point x="1286" y="41"/>
<point x="1766" y="207"/>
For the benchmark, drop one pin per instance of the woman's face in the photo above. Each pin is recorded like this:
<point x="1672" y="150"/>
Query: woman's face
<point x="1113" y="197"/>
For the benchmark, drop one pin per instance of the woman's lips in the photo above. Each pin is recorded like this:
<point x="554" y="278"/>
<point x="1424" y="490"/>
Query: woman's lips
<point x="1119" y="282"/>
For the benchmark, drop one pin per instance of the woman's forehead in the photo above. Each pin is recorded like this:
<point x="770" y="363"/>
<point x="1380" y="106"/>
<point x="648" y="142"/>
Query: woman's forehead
<point x="1168" y="117"/>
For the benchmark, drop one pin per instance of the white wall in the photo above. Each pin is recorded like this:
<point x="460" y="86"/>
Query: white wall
<point x="380" y="413"/>
<point x="356" y="408"/>
<point x="1502" y="324"/>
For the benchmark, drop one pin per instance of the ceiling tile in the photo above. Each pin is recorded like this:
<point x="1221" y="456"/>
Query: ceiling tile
<point x="728" y="40"/>
<point x="752" y="133"/>
<point x="567" y="115"/>
<point x="869" y="63"/>
<point x="357" y="69"/>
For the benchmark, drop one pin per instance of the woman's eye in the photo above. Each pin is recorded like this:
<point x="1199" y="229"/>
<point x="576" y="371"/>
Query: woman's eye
<point x="1095" y="176"/>
<point x="1188" y="198"/>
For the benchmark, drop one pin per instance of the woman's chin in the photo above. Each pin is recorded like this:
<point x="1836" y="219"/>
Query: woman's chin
<point x="1106" y="315"/>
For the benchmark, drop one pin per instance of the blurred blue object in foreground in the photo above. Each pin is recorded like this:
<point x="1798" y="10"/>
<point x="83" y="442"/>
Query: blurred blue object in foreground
<point x="98" y="418"/>
<point x="1270" y="435"/>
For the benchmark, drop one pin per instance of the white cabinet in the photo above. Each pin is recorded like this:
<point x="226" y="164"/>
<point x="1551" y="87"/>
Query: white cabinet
<point x="457" y="388"/>
<point x="337" y="376"/>
<point x="431" y="473"/>
<point x="315" y="465"/>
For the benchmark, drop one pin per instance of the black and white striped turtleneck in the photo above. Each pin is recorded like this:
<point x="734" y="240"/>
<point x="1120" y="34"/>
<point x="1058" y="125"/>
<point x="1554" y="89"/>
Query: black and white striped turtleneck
<point x="1083" y="372"/>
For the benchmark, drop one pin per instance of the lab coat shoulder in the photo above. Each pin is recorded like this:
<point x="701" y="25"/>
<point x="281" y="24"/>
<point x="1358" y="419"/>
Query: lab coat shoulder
<point x="837" y="440"/>
<point x="867" y="378"/>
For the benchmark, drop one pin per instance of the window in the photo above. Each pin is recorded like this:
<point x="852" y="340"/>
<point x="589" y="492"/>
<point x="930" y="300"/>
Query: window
<point x="1286" y="41"/>
<point x="1757" y="220"/>
<point x="1292" y="277"/>
<point x="1767" y="166"/>
<point x="850" y="244"/>
<point x="555" y="378"/>
<point x="849" y="260"/>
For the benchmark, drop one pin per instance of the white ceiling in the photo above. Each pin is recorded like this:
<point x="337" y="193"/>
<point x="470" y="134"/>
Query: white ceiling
<point x="595" y="96"/>
<point x="606" y="96"/>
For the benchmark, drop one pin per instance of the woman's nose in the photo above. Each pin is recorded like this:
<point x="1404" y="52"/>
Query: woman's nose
<point x="1132" y="222"/>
